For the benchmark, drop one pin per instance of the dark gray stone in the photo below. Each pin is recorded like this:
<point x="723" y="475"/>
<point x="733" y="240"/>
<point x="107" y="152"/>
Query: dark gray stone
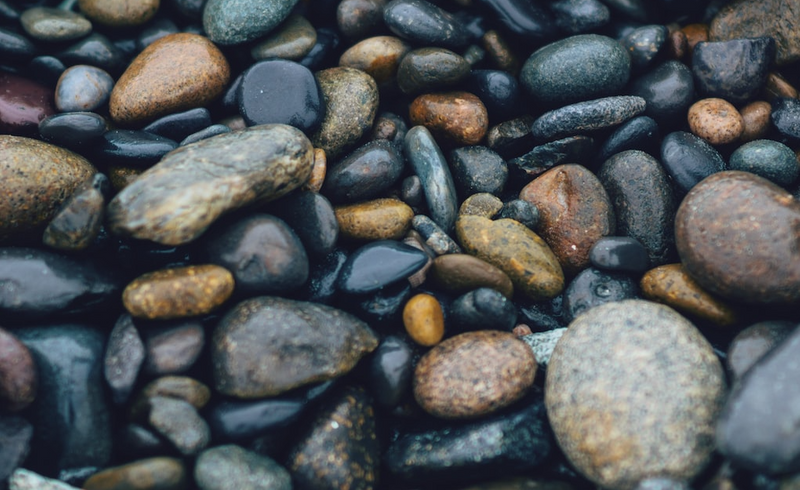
<point x="585" y="117"/>
<point x="769" y="159"/>
<point x="238" y="21"/>
<point x="424" y="23"/>
<point x="477" y="169"/>
<point x="689" y="159"/>
<point x="733" y="70"/>
<point x="428" y="162"/>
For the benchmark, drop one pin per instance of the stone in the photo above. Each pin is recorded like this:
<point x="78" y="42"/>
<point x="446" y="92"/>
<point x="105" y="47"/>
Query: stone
<point x="755" y="117"/>
<point x="473" y="374"/>
<point x="769" y="159"/>
<point x="54" y="24"/>
<point x="528" y="21"/>
<point x="379" y="264"/>
<point x="380" y="219"/>
<point x="423" y="320"/>
<point x="716" y="121"/>
<point x="16" y="46"/>
<point x="15" y="438"/>
<point x="579" y="16"/>
<point x="292" y="41"/>
<point x="358" y="19"/>
<point x="173" y="349"/>
<point x="619" y="254"/>
<point x="511" y="138"/>
<point x="231" y="22"/>
<point x="366" y="173"/>
<point x="95" y="50"/>
<point x="132" y="147"/>
<point x="586" y="117"/>
<point x="458" y="118"/>
<point x="498" y="90"/>
<point x="543" y="343"/>
<point x="482" y="309"/>
<point x="668" y="90"/>
<point x="785" y="118"/>
<point x="282" y="344"/>
<point x="753" y="343"/>
<point x="460" y="273"/>
<point x="428" y="162"/>
<point x="119" y="13"/>
<point x="72" y="130"/>
<point x="572" y="149"/>
<point x="640" y="133"/>
<point x="182" y="388"/>
<point x="426" y="69"/>
<point x="123" y="359"/>
<point x="311" y="217"/>
<point x="733" y="70"/>
<point x="83" y="88"/>
<point x="593" y="287"/>
<point x="175" y="201"/>
<point x="161" y="472"/>
<point x="644" y="44"/>
<point x="213" y="130"/>
<point x="178" y="72"/>
<point x="231" y="467"/>
<point x="23" y="105"/>
<point x="23" y="479"/>
<point x="180" y="125"/>
<point x="77" y="224"/>
<point x="180" y="424"/>
<point x="633" y="391"/>
<point x="689" y="159"/>
<point x="522" y="211"/>
<point x="377" y="56"/>
<point x="424" y="23"/>
<point x="390" y="371"/>
<point x="19" y="380"/>
<point x="433" y="236"/>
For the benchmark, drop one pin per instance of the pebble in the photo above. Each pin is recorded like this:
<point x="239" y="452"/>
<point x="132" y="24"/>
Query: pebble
<point x="176" y="200"/>
<point x="178" y="72"/>
<point x="593" y="287"/>
<point x="119" y="13"/>
<point x="777" y="86"/>
<point x="379" y="264"/>
<point x="15" y="46"/>
<point x="576" y="69"/>
<point x="587" y="116"/>
<point x="182" y="388"/>
<point x="365" y="173"/>
<point x="72" y="130"/>
<point x="433" y="236"/>
<point x="644" y="44"/>
<point x="23" y="105"/>
<point x="180" y="125"/>
<point x="351" y="103"/>
<point x="498" y="90"/>
<point x="178" y="292"/>
<point x="458" y="118"/>
<point x="543" y="343"/>
<point x="528" y="21"/>
<point x="232" y="467"/>
<point x="460" y="273"/>
<point x="574" y="213"/>
<point x="733" y="70"/>
<point x="579" y="16"/>
<point x="621" y="418"/>
<point x="640" y="133"/>
<point x="213" y="130"/>
<point x="358" y="19"/>
<point x="233" y="22"/>
<point x="753" y="343"/>
<point x="380" y="219"/>
<point x="15" y="436"/>
<point x="785" y="118"/>
<point x="689" y="159"/>
<point x="473" y="374"/>
<point x="312" y="218"/>
<point x="511" y="138"/>
<point x="423" y="320"/>
<point x="668" y="90"/>
<point x="377" y="56"/>
<point x="95" y="50"/>
<point x="769" y="159"/>
<point x="477" y="169"/>
<point x="427" y="161"/>
<point x="572" y="149"/>
<point x="132" y="147"/>
<point x="305" y="343"/>
<point x="54" y="24"/>
<point x="482" y="309"/>
<point x="162" y="472"/>
<point x="23" y="479"/>
<point x="292" y="41"/>
<point x="671" y="285"/>
<point x="427" y="69"/>
<point x="124" y="355"/>
<point x="180" y="424"/>
<point x="513" y="248"/>
<point x="19" y="380"/>
<point x="619" y="254"/>
<point x="390" y="371"/>
<point x="424" y="23"/>
<point x="77" y="224"/>
<point x="752" y="217"/>
<point x="755" y="117"/>
<point x="172" y="349"/>
<point x="716" y="121"/>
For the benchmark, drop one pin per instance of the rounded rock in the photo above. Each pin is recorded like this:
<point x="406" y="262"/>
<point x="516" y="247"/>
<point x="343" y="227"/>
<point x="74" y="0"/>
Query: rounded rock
<point x="381" y="219"/>
<point x="769" y="159"/>
<point x="230" y="22"/>
<point x="19" y="380"/>
<point x="461" y="273"/>
<point x="295" y="38"/>
<point x="54" y="24"/>
<point x="454" y="117"/>
<point x="162" y="473"/>
<point x="118" y="13"/>
<point x="716" y="121"/>
<point x="377" y="56"/>
<point x="755" y="117"/>
<point x="427" y="69"/>
<point x="423" y="319"/>
<point x="753" y="343"/>
<point x="231" y="467"/>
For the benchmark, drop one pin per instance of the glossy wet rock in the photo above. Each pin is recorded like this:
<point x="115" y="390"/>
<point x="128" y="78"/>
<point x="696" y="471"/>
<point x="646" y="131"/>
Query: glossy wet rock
<point x="231" y="467"/>
<point x="263" y="364"/>
<point x="482" y="309"/>
<point x="180" y="424"/>
<point x="365" y="173"/>
<point x="131" y="147"/>
<point x="312" y="218"/>
<point x="230" y="22"/>
<point x="292" y="41"/>
<point x="453" y="117"/>
<point x="173" y="203"/>
<point x="378" y="56"/>
<point x="525" y="20"/>
<point x="640" y="133"/>
<point x="498" y="90"/>
<point x="593" y="287"/>
<point x="462" y="273"/>
<point x="52" y="24"/>
<point x="123" y="358"/>
<point x="424" y="23"/>
<point x="753" y="343"/>
<point x="390" y="372"/>
<point x="83" y="88"/>
<point x="358" y="19"/>
<point x="734" y="70"/>
<point x="428" y="69"/>
<point x="785" y="118"/>
<point x="689" y="159"/>
<point x="72" y="130"/>
<point x="434" y="236"/>
<point x="119" y="13"/>
<point x="619" y="254"/>
<point x="668" y="91"/>
<point x="769" y="159"/>
<point x="180" y="125"/>
<point x="23" y="104"/>
<point x="579" y="16"/>
<point x="95" y="50"/>
<point x="77" y="224"/>
<point x="643" y="44"/>
<point x="160" y="472"/>
<point x="736" y="237"/>
<point x="172" y="349"/>
<point x="381" y="219"/>
<point x="423" y="319"/>
<point x="585" y="117"/>
<point x="379" y="264"/>
<point x="618" y="443"/>
<point x="16" y="46"/>
<point x="572" y="149"/>
<point x="19" y="380"/>
<point x="428" y="162"/>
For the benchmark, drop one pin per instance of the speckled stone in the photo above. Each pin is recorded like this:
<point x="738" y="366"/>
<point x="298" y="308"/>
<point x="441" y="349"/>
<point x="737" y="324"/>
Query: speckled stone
<point x="482" y="204"/>
<point x="736" y="237"/>
<point x="178" y="72"/>
<point x="238" y="21"/>
<point x="473" y="374"/>
<point x="461" y="273"/>
<point x="19" y="379"/>
<point x="716" y="121"/>
<point x="161" y="472"/>
<point x="585" y="117"/>
<point x="72" y="130"/>
<point x="292" y="41"/>
<point x="543" y="343"/>
<point x="179" y="292"/>
<point x="689" y="159"/>
<point x="54" y="24"/>
<point x="426" y="159"/>
<point x="434" y="236"/>
<point x="423" y="319"/>
<point x="644" y="44"/>
<point x="77" y="224"/>
<point x="378" y="56"/>
<point x="633" y="391"/>
<point x="572" y="149"/>
<point x="755" y="117"/>
<point x="579" y="16"/>
<point x="381" y="219"/>
<point x="24" y="104"/>
<point x="174" y="201"/>
<point x="359" y="19"/>
<point x="753" y="343"/>
<point x="119" y="13"/>
<point x="123" y="358"/>
<point x="183" y="388"/>
<point x="179" y="422"/>
<point x="23" y="479"/>
<point x="231" y="467"/>
<point x="592" y="288"/>
<point x="426" y="69"/>
<point x="769" y="159"/>
<point x="282" y="344"/>
<point x="424" y="23"/>
<point x="458" y="118"/>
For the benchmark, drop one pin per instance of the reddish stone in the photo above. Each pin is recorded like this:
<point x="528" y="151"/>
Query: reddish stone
<point x="23" y="103"/>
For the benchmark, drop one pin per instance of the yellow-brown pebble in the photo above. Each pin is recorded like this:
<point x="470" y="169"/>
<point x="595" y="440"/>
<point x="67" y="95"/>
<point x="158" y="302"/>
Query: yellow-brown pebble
<point x="755" y="117"/>
<point x="318" y="171"/>
<point x="177" y="293"/>
<point x="378" y="56"/>
<point x="119" y="12"/>
<point x="716" y="121"/>
<point x="671" y="285"/>
<point x="462" y="273"/>
<point x="424" y="320"/>
<point x="121" y="177"/>
<point x="381" y="219"/>
<point x="455" y="117"/>
<point x="481" y="204"/>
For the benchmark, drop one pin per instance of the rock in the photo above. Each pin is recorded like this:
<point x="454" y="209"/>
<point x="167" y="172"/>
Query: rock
<point x="511" y="138"/>
<point x="364" y="174"/>
<point x="311" y="217"/>
<point x="426" y="69"/>
<point x="77" y="224"/>
<point x="458" y="118"/>
<point x="785" y="117"/>
<point x="132" y="148"/>
<point x="543" y="343"/>
<point x="213" y="130"/>
<point x="180" y="424"/>
<point x="378" y="56"/>
<point x="119" y="13"/>
<point x="54" y="24"/>
<point x="178" y="72"/>
<point x="528" y="21"/>
<point x="668" y="91"/>
<point x="733" y="70"/>
<point x="180" y="125"/>
<point x="460" y="273"/>
<point x="379" y="264"/>
<point x="161" y="472"/>
<point x="123" y="359"/>
<point x="174" y="202"/>
<point x="15" y="439"/>
<point x="358" y="19"/>
<point x="498" y="90"/>
<point x="753" y="343"/>
<point x="689" y="159"/>
<point x="769" y="159"/>
<point x="232" y="467"/>
<point x="182" y="388"/>
<point x="95" y="50"/>
<point x="755" y="117"/>
<point x="585" y="117"/>
<point x="572" y="149"/>
<point x="23" y="479"/>
<point x="19" y="380"/>
<point x="522" y="211"/>
<point x="282" y="344"/>
<point x="390" y="371"/>
<point x="292" y="41"/>
<point x="482" y="309"/>
<point x="381" y="219"/>
<point x="238" y="21"/>
<point x="716" y="121"/>
<point x="592" y="288"/>
<point x="423" y="320"/>
<point x="579" y="16"/>
<point x="632" y="391"/>
<point x="639" y="133"/>
<point x="16" y="46"/>
<point x="643" y="44"/>
<point x="433" y="236"/>
<point x="72" y="130"/>
<point x="83" y="88"/>
<point x="619" y="254"/>
<point x="424" y="23"/>
<point x="23" y="104"/>
<point x="173" y="349"/>
<point x="428" y="162"/>
<point x="736" y="238"/>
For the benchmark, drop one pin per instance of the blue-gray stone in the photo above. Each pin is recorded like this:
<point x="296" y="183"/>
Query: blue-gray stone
<point x="83" y="88"/>
<point x="769" y="159"/>
<point x="213" y="130"/>
<point x="668" y="90"/>
<point x="593" y="287"/>
<point x="733" y="70"/>
<point x="585" y="117"/>
<point x="434" y="237"/>
<point x="54" y="24"/>
<point x="579" y="16"/>
<point x="644" y="43"/>
<point x="786" y="118"/>
<point x="425" y="23"/>
<point x="640" y="133"/>
<point x="689" y="159"/>
<point x="478" y="169"/>
<point x="429" y="164"/>
<point x="229" y="22"/>
<point x="232" y="467"/>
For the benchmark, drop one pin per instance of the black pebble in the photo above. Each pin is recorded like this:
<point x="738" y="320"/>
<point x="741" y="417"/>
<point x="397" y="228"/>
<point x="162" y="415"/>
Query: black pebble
<point x="179" y="125"/>
<point x="640" y="133"/>
<point x="424" y="23"/>
<point x="498" y="90"/>
<point x="482" y="309"/>
<point x="379" y="264"/>
<point x="733" y="70"/>
<point x="14" y="46"/>
<point x="619" y="254"/>
<point x="579" y="16"/>
<point x="477" y="169"/>
<point x="132" y="147"/>
<point x="321" y="284"/>
<point x="365" y="173"/>
<point x="523" y="18"/>
<point x="572" y="149"/>
<point x="668" y="90"/>
<point x="593" y="287"/>
<point x="786" y="118"/>
<point x="327" y="44"/>
<point x="644" y="44"/>
<point x="95" y="50"/>
<point x="522" y="211"/>
<point x="311" y="216"/>
<point x="213" y="130"/>
<point x="390" y="370"/>
<point x="72" y="129"/>
<point x="46" y="69"/>
<point x="689" y="159"/>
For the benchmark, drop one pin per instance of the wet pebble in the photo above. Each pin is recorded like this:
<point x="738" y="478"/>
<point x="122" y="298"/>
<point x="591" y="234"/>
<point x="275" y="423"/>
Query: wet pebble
<point x="182" y="388"/>
<point x="292" y="41"/>
<point x="179" y="125"/>
<point x="733" y="70"/>
<point x="119" y="13"/>
<point x="95" y="50"/>
<point x="232" y="467"/>
<point x="689" y="159"/>
<point x="424" y="23"/>
<point x="668" y="90"/>
<point x="640" y="133"/>
<point x="785" y="118"/>
<point x="769" y="159"/>
<point x="428" y="162"/>
<point x="231" y="22"/>
<point x="172" y="349"/>
<point x="19" y="380"/>
<point x="433" y="236"/>
<point x="23" y="105"/>
<point x="522" y="211"/>
<point x="423" y="320"/>
<point x="54" y="24"/>
<point x="366" y="173"/>
<point x="579" y="16"/>
<point x="72" y="130"/>
<point x="379" y="264"/>
<point x="357" y="19"/>
<point x="716" y="121"/>
<point x="585" y="117"/>
<point x="460" y="273"/>
<point x="543" y="343"/>
<point x="498" y="90"/>
<point x="378" y="56"/>
<point x="213" y="130"/>
<point x="380" y="219"/>
<point x="77" y="224"/>
<point x="644" y="44"/>
<point x="390" y="372"/>
<point x="572" y="149"/>
<point x="753" y="343"/>
<point x="15" y="46"/>
<point x="482" y="309"/>
<point x="162" y="472"/>
<point x="179" y="422"/>
<point x="429" y="69"/>
<point x="511" y="138"/>
<point x="755" y="117"/>
<point x="311" y="216"/>
<point x="132" y="147"/>
<point x="124" y="355"/>
<point x="83" y="88"/>
<point x="458" y="118"/>
<point x="619" y="254"/>
<point x="593" y="287"/>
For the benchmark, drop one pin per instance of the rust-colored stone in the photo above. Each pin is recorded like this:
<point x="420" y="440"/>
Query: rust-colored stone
<point x="755" y="117"/>
<point x="776" y="87"/>
<point x="378" y="56"/>
<point x="381" y="219"/>
<point x="779" y="19"/>
<point x="716" y="121"/>
<point x="500" y="52"/>
<point x="454" y="117"/>
<point x="695" y="33"/>
<point x="318" y="171"/>
<point x="119" y="13"/>
<point x="18" y="376"/>
<point x="161" y="473"/>
<point x="461" y="273"/>
<point x="481" y="204"/>
<point x="424" y="320"/>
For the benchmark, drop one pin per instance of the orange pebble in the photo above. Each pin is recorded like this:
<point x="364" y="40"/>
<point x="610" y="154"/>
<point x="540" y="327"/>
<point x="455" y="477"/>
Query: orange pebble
<point x="424" y="320"/>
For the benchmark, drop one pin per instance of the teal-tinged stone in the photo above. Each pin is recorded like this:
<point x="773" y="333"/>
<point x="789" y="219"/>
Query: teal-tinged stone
<point x="239" y="21"/>
<point x="431" y="167"/>
<point x="769" y="159"/>
<point x="53" y="24"/>
<point x="577" y="68"/>
<point x="585" y="117"/>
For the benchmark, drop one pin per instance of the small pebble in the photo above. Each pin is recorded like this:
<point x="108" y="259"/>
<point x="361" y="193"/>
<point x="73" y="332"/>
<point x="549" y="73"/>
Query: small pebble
<point x="458" y="118"/>
<point x="19" y="380"/>
<point x="232" y="22"/>
<point x="179" y="422"/>
<point x="381" y="219"/>
<point x="689" y="159"/>
<point x="161" y="472"/>
<point x="586" y="117"/>
<point x="593" y="287"/>
<point x="54" y="24"/>
<point x="424" y="23"/>
<point x="716" y="121"/>
<point x="424" y="320"/>
<point x="460" y="273"/>
<point x="434" y="237"/>
<point x="543" y="343"/>
<point x="753" y="343"/>
<point x="378" y="56"/>
<point x="482" y="309"/>
<point x="119" y="13"/>
<point x="428" y="162"/>
<point x="483" y="204"/>
<point x="428" y="69"/>
<point x="292" y="41"/>
<point x="769" y="159"/>
<point x="755" y="117"/>
<point x="619" y="254"/>
<point x="231" y="467"/>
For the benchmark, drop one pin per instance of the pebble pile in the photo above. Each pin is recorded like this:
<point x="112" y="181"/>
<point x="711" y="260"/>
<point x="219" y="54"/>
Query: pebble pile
<point x="399" y="244"/>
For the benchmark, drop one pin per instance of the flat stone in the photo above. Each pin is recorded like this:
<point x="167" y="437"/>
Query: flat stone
<point x="461" y="273"/>
<point x="16" y="46"/>
<point x="380" y="219"/>
<point x="95" y="50"/>
<point x="640" y="133"/>
<point x="119" y="13"/>
<point x="54" y="24"/>
<point x="366" y="173"/>
<point x="123" y="358"/>
<point x="585" y="117"/>
<point x="179" y="422"/>
<point x="292" y="41"/>
<point x="19" y="380"/>
<point x="132" y="148"/>
<point x="428" y="162"/>
<point x="77" y="224"/>
<point x="182" y="388"/>
<point x="161" y="472"/>
<point x="458" y="118"/>
<point x="230" y="22"/>
<point x="72" y="130"/>
<point x="23" y="105"/>
<point x="572" y="149"/>
<point x="180" y="125"/>
<point x="531" y="22"/>
<point x="231" y="467"/>
<point x="580" y="16"/>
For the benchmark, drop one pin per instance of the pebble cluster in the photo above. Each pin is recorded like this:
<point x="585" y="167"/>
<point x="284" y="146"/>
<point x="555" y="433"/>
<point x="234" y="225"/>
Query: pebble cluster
<point x="399" y="244"/>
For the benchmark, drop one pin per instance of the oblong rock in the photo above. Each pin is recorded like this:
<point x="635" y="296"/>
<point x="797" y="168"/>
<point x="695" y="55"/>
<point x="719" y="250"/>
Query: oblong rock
<point x="585" y="117"/>
<point x="238" y="21"/>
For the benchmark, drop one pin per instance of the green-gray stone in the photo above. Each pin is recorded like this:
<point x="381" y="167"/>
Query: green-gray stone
<point x="179" y="422"/>
<point x="429" y="164"/>
<point x="231" y="467"/>
<point x="292" y="41"/>
<point x="769" y="159"/>
<point x="238" y="21"/>
<point x="52" y="24"/>
<point x="23" y="479"/>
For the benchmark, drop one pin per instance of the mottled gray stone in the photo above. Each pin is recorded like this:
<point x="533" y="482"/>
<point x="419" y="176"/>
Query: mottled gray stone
<point x="588" y="116"/>
<point x="179" y="422"/>
<point x="54" y="24"/>
<point x="231" y="467"/>
<point x="238" y="21"/>
<point x="543" y="343"/>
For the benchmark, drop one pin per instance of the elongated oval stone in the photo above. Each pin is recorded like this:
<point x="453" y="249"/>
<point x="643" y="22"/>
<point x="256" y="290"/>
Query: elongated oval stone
<point x="177" y="199"/>
<point x="238" y="21"/>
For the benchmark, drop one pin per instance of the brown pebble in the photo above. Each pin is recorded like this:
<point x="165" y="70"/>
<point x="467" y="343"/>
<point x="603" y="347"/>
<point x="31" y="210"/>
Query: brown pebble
<point x="671" y="285"/>
<point x="500" y="52"/>
<point x="378" y="56"/>
<point x="179" y="292"/>
<point x="18" y="376"/>
<point x="235" y="123"/>
<point x="381" y="219"/>
<point x="755" y="117"/>
<point x="677" y="44"/>
<point x="481" y="204"/>
<point x="121" y="176"/>
<point x="119" y="13"/>
<point x="176" y="73"/>
<point x="159" y="473"/>
<point x="318" y="171"/>
<point x="777" y="87"/>
<point x="716" y="121"/>
<point x="461" y="273"/>
<point x="424" y="320"/>
<point x="474" y="374"/>
<point x="183" y="388"/>
<point x="695" y="33"/>
<point x="455" y="117"/>
<point x="522" y="330"/>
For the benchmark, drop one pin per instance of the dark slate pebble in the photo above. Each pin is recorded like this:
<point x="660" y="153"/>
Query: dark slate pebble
<point x="543" y="316"/>
<point x="620" y="254"/>
<point x="594" y="287"/>
<point x="428" y="162"/>
<point x="668" y="90"/>
<point x="77" y="223"/>
<point x="123" y="358"/>
<point x="425" y="23"/>
<point x="23" y="105"/>
<point x="15" y="441"/>
<point x="644" y="44"/>
<point x="786" y="118"/>
<point x="689" y="159"/>
<point x="640" y="133"/>
<point x="364" y="174"/>
<point x="311" y="217"/>
<point x="137" y="442"/>
<point x="390" y="370"/>
<point x="231" y="22"/>
<point x="379" y="264"/>
<point x="326" y="45"/>
<point x="498" y="90"/>
<point x="733" y="70"/>
<point x="524" y="19"/>
<point x="15" y="46"/>
<point x="520" y="210"/>
<point x="178" y="421"/>
<point x="46" y="69"/>
<point x="585" y="117"/>
<point x="572" y="149"/>
<point x="411" y="192"/>
<point x="428" y="69"/>
<point x="434" y="236"/>
<point x="482" y="309"/>
<point x="179" y="125"/>
<point x="769" y="159"/>
<point x="477" y="169"/>
<point x="383" y="307"/>
<point x="132" y="147"/>
<point x="281" y="92"/>
<point x="753" y="343"/>
<point x="579" y="16"/>
<point x="72" y="130"/>
<point x="172" y="349"/>
<point x="321" y="284"/>
<point x="155" y="30"/>
<point x="95" y="50"/>
<point x="213" y="130"/>
<point x="511" y="138"/>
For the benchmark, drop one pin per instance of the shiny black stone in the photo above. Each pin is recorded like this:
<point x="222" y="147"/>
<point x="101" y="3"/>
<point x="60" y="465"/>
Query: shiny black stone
<point x="132" y="147"/>
<point x="46" y="69"/>
<point x="390" y="370"/>
<point x="477" y="169"/>
<point x="644" y="44"/>
<point x="365" y="173"/>
<point x="498" y="90"/>
<point x="519" y="210"/>
<point x="733" y="70"/>
<point x="579" y="16"/>
<point x="213" y="130"/>
<point x="572" y="149"/>
<point x="424" y="23"/>
<point x="379" y="264"/>
<point x="524" y="18"/>
<point x="786" y="118"/>
<point x="73" y="130"/>
<point x="15" y="47"/>
<point x="640" y="133"/>
<point x="179" y="125"/>
<point x="382" y="308"/>
<point x="593" y="287"/>
<point x="619" y="254"/>
<point x="311" y="216"/>
<point x="689" y="159"/>
<point x="321" y="284"/>
<point x="325" y="48"/>
<point x="542" y="316"/>
<point x="668" y="90"/>
<point x="482" y="309"/>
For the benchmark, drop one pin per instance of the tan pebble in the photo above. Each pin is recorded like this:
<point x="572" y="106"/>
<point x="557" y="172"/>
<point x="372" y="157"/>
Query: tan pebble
<point x="695" y="33"/>
<point x="381" y="219"/>
<point x="121" y="176"/>
<point x="378" y="56"/>
<point x="500" y="52"/>
<point x="776" y="86"/>
<point x="178" y="293"/>
<point x="522" y="330"/>
<point x="318" y="171"/>
<point x="183" y="388"/>
<point x="454" y="117"/>
<point x="755" y="117"/>
<point x="119" y="12"/>
<point x="155" y="473"/>
<point x="462" y="273"/>
<point x="716" y="121"/>
<point x="424" y="320"/>
<point x="482" y="204"/>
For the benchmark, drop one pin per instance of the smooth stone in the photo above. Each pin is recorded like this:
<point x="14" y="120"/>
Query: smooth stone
<point x="521" y="211"/>
<point x="785" y="118"/>
<point x="358" y="19"/>
<point x="424" y="23"/>
<point x="312" y="218"/>
<point x="72" y="130"/>
<point x="123" y="358"/>
<point x="366" y="173"/>
<point x="575" y="69"/>
<point x="736" y="237"/>
<point x="593" y="287"/>
<point x="178" y="292"/>
<point x="379" y="264"/>
<point x="574" y="213"/>
<point x="506" y="444"/>
<point x="383" y="307"/>
<point x="182" y="388"/>
<point x="460" y="273"/>
<point x="640" y="133"/>
<point x="318" y="172"/>
<point x="753" y="343"/>
<point x="77" y="224"/>
<point x="757" y="427"/>
<point x="159" y="28"/>
<point x="643" y="201"/>
<point x="281" y="92"/>
<point x="742" y="19"/>
<point x="769" y="159"/>
<point x="411" y="192"/>
<point x="119" y="13"/>
<point x="689" y="159"/>
<point x="230" y="22"/>
<point x="428" y="162"/>
<point x="95" y="50"/>
<point x="543" y="343"/>
<point x="47" y="284"/>
<point x="733" y="70"/>
<point x="527" y="21"/>
<point x="175" y="201"/>
<point x="513" y="248"/>
<point x="132" y="147"/>
<point x="172" y="349"/>
<point x="179" y="125"/>
<point x="546" y="315"/>
<point x="321" y="286"/>
<point x="377" y="56"/>
<point x="458" y="118"/>
<point x="292" y="41"/>
<point x="579" y="16"/>
<point x="620" y="254"/>
<point x="423" y="320"/>
<point x="71" y="417"/>
<point x="427" y="69"/>
<point x="351" y="103"/>
<point x="47" y="69"/>
<point x="53" y="24"/>
<point x="668" y="90"/>
<point x="19" y="380"/>
<point x="390" y="371"/>
<point x="482" y="309"/>
<point x="180" y="424"/>
<point x="162" y="473"/>
<point x="381" y="219"/>
<point x="15" y="46"/>
<point x="324" y="50"/>
<point x="231" y="467"/>
<point x="339" y="448"/>
<point x="498" y="90"/>
<point x="176" y="73"/>
<point x="23" y="479"/>
<point x="587" y="116"/>
<point x="671" y="285"/>
<point x="23" y="105"/>
<point x="304" y="343"/>
<point x="644" y="44"/>
<point x="622" y="418"/>
<point x="213" y="130"/>
<point x="572" y="149"/>
<point x="15" y="440"/>
<point x="434" y="236"/>
<point x="511" y="138"/>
